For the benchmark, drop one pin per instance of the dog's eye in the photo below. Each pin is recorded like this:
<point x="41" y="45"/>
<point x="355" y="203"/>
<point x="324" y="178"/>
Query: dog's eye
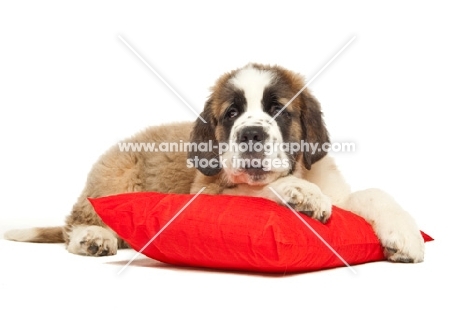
<point x="275" y="109"/>
<point x="232" y="112"/>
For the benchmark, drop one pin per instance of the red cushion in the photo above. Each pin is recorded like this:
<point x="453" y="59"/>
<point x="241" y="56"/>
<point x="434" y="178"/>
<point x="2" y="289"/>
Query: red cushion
<point x="237" y="233"/>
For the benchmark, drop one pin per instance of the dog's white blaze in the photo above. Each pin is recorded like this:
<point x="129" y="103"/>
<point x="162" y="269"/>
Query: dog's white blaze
<point x="253" y="82"/>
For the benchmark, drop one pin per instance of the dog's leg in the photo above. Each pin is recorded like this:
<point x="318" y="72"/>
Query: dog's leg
<point x="86" y="234"/>
<point x="300" y="194"/>
<point x="396" y="229"/>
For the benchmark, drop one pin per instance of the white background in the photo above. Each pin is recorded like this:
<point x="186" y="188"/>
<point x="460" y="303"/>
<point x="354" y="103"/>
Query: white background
<point x="69" y="88"/>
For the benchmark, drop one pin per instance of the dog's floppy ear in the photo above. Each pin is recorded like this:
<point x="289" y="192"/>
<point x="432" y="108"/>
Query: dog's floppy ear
<point x="313" y="129"/>
<point x="202" y="138"/>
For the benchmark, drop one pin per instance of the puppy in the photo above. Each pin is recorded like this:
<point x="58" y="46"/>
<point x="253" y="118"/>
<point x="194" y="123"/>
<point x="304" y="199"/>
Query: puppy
<point x="236" y="147"/>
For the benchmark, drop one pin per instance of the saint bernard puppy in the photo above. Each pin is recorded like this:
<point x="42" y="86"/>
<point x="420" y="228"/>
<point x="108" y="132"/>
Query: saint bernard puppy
<point x="244" y="118"/>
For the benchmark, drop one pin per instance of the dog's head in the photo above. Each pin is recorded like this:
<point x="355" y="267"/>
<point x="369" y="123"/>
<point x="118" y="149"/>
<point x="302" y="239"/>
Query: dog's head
<point x="256" y="136"/>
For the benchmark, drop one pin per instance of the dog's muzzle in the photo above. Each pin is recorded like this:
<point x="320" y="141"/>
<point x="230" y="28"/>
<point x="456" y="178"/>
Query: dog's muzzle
<point x="251" y="140"/>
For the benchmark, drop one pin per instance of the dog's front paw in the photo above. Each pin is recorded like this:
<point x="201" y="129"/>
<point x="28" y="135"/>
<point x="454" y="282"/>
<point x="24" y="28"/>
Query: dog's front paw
<point x="402" y="243"/>
<point x="305" y="197"/>
<point x="92" y="241"/>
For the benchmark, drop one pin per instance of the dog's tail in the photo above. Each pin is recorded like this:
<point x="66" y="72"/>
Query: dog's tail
<point x="38" y="234"/>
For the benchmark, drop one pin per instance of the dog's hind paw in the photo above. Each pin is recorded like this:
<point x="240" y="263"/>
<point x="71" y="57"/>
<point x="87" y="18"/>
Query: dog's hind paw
<point x="92" y="241"/>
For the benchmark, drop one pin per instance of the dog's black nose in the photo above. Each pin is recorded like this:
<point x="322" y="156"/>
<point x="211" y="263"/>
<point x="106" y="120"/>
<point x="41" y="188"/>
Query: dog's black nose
<point x="252" y="133"/>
